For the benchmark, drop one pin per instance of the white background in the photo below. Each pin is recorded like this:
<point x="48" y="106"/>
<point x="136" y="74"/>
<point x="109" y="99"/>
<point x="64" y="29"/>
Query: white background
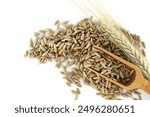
<point x="22" y="80"/>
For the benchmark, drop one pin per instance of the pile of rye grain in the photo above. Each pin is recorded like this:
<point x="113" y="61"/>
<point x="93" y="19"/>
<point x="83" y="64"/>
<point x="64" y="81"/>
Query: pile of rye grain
<point x="71" y="46"/>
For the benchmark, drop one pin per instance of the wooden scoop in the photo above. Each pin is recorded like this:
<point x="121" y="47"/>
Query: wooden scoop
<point x="137" y="80"/>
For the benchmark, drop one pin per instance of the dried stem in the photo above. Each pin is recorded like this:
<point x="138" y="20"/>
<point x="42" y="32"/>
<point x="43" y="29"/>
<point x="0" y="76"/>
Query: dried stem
<point x="112" y="27"/>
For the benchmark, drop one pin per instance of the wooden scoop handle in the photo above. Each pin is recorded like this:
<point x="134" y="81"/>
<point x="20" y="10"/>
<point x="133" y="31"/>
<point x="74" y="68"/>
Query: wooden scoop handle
<point x="146" y="86"/>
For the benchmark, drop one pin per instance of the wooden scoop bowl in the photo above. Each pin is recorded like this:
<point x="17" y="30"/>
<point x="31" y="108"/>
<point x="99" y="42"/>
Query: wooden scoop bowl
<point x="137" y="80"/>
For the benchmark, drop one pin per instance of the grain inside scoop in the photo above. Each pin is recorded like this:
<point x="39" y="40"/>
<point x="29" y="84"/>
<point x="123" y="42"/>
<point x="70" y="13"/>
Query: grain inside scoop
<point x="137" y="79"/>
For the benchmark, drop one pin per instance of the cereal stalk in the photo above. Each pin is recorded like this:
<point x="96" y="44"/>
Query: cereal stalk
<point x="95" y="9"/>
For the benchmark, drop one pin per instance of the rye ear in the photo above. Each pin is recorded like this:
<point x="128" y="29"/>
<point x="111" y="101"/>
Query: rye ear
<point x="114" y="30"/>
